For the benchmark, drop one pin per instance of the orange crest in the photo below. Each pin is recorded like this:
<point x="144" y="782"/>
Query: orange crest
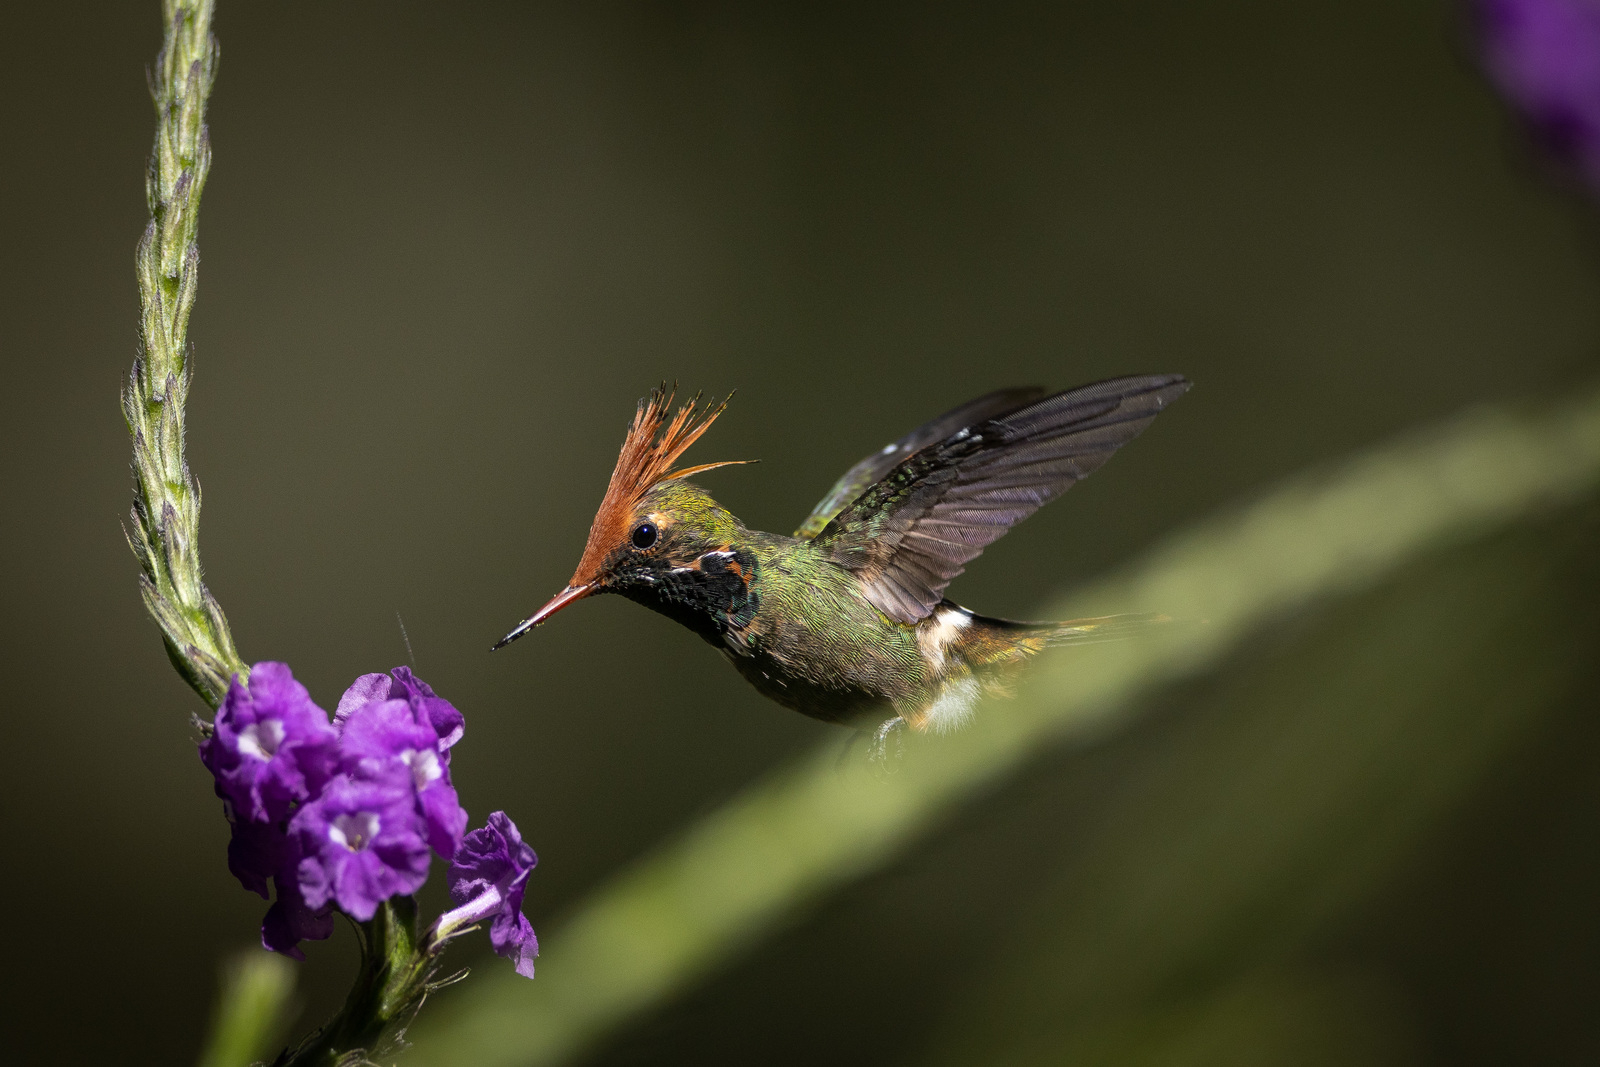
<point x="652" y="446"/>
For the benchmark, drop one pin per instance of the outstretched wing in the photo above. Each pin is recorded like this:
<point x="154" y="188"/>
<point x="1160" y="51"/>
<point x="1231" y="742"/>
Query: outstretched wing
<point x="857" y="479"/>
<point x="913" y="531"/>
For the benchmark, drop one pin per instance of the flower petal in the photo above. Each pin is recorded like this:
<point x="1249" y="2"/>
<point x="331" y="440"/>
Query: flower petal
<point x="366" y="689"/>
<point x="511" y="935"/>
<point x="256" y="852"/>
<point x="446" y="818"/>
<point x="290" y="920"/>
<point x="358" y="871"/>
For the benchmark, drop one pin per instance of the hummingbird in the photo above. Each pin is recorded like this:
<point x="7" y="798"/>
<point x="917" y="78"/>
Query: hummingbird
<point x="846" y="619"/>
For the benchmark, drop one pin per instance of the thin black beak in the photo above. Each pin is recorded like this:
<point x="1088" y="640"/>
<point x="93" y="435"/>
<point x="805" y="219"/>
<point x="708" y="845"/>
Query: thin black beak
<point x="557" y="602"/>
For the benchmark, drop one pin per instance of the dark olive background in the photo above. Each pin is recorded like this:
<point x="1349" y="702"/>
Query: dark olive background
<point x="445" y="248"/>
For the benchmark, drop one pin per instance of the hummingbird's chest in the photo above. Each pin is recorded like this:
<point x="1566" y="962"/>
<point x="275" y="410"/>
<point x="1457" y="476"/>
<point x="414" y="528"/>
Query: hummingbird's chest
<point x="796" y="627"/>
<point x="814" y="644"/>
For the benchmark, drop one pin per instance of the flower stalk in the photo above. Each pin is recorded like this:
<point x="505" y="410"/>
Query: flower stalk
<point x="334" y="815"/>
<point x="164" y="533"/>
<point x="396" y="977"/>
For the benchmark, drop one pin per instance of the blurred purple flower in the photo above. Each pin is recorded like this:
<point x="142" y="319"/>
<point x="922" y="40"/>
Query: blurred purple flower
<point x="291" y="920"/>
<point x="271" y="747"/>
<point x="361" y="843"/>
<point x="410" y="731"/>
<point x="1544" y="55"/>
<point x="259" y="851"/>
<point x="487" y="879"/>
<point x="256" y="852"/>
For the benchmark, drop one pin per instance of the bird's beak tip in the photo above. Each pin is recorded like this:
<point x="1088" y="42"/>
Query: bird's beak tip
<point x="557" y="602"/>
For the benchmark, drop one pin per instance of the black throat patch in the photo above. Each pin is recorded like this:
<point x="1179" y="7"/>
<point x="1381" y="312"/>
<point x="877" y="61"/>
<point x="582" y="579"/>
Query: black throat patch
<point x="711" y="594"/>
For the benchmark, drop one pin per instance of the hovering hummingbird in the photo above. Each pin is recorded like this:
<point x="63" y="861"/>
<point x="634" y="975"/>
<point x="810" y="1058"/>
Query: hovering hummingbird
<point x="846" y="620"/>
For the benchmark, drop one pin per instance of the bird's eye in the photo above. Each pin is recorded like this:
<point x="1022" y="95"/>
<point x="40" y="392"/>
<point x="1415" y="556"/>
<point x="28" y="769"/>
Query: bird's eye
<point x="644" y="535"/>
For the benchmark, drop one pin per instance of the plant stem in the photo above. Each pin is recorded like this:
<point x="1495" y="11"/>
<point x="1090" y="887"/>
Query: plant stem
<point x="395" y="970"/>
<point x="166" y="510"/>
<point x="392" y="984"/>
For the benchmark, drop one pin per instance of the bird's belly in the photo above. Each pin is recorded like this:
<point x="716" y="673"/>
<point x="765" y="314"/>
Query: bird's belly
<point x="836" y="699"/>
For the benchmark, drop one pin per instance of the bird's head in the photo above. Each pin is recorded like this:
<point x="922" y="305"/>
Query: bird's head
<point x="653" y="529"/>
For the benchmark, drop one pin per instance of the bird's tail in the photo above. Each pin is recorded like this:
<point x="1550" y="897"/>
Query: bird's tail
<point x="1001" y="640"/>
<point x="1103" y="628"/>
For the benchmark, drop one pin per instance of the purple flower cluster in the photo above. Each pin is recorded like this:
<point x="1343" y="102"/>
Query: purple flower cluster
<point x="342" y="814"/>
<point x="1544" y="55"/>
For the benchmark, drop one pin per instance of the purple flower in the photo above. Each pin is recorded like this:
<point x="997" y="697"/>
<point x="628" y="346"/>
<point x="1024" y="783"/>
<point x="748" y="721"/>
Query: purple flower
<point x="385" y="733"/>
<point x="361" y="843"/>
<point x="401" y="684"/>
<point x="256" y="852"/>
<point x="1545" y="57"/>
<point x="271" y="747"/>
<point x="259" y="851"/>
<point x="342" y="814"/>
<point x="487" y="878"/>
<point x="291" y="920"/>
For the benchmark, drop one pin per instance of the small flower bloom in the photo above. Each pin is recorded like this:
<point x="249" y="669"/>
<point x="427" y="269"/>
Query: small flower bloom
<point x="384" y="736"/>
<point x="291" y="920"/>
<point x="380" y="732"/>
<point x="438" y="712"/>
<point x="401" y="684"/>
<point x="256" y="851"/>
<point x="487" y="879"/>
<point x="272" y="747"/>
<point x="361" y="843"/>
<point x="1545" y="57"/>
<point x="262" y="850"/>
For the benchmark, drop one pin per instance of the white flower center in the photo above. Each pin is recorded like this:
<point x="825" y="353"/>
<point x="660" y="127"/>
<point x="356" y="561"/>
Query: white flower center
<point x="354" y="831"/>
<point x="424" y="764"/>
<point x="261" y="739"/>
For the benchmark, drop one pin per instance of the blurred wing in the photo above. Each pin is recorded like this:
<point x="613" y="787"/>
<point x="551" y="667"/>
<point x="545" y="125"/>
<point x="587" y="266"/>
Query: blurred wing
<point x="857" y="479"/>
<point x="909" y="534"/>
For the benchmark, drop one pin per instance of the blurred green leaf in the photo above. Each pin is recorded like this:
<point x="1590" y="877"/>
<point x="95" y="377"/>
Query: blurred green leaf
<point x="1180" y="928"/>
<point x="252" y="1010"/>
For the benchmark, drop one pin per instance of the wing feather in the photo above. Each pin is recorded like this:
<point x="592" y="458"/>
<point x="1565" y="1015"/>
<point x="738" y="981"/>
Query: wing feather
<point x="857" y="479"/>
<point x="941" y="503"/>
